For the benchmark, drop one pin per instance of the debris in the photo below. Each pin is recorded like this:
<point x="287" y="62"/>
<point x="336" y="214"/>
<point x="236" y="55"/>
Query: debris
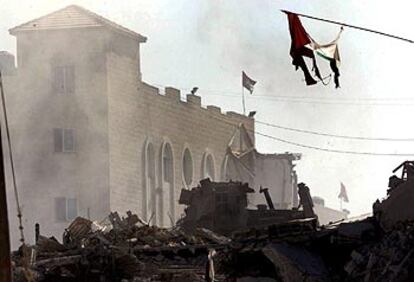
<point x="49" y="245"/>
<point x="121" y="249"/>
<point x="295" y="263"/>
<point x="268" y="198"/>
<point x="389" y="259"/>
<point x="306" y="200"/>
<point x="210" y="272"/>
<point x="265" y="244"/>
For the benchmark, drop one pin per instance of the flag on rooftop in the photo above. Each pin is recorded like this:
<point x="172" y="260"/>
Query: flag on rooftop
<point x="304" y="46"/>
<point x="247" y="82"/>
<point x="342" y="194"/>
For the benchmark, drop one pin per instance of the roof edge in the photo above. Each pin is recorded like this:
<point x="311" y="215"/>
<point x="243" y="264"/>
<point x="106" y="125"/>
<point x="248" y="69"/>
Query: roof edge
<point x="104" y="21"/>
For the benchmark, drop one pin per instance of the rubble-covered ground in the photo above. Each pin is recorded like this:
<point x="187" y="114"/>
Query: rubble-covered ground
<point x="117" y="249"/>
<point x="388" y="259"/>
<point x="127" y="249"/>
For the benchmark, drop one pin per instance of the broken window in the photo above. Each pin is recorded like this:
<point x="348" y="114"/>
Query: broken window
<point x="187" y="167"/>
<point x="64" y="140"/>
<point x="64" y="79"/>
<point x="66" y="208"/>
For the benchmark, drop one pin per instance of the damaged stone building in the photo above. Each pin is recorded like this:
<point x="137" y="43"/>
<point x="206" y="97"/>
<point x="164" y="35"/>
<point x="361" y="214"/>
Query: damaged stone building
<point x="274" y="171"/>
<point x="90" y="136"/>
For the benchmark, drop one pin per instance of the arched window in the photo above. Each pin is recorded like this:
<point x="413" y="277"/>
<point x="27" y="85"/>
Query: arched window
<point x="149" y="206"/>
<point x="224" y="169"/>
<point x="187" y="167"/>
<point x="167" y="161"/>
<point x="208" y="167"/>
<point x="167" y="198"/>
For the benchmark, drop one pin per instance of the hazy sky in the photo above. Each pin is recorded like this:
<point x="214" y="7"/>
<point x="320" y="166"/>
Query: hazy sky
<point x="207" y="43"/>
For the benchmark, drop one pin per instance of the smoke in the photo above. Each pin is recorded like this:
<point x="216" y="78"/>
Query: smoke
<point x="244" y="36"/>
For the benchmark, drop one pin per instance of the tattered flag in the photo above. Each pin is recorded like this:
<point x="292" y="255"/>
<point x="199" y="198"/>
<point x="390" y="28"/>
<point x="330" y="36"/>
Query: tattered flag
<point x="304" y="46"/>
<point x="330" y="52"/>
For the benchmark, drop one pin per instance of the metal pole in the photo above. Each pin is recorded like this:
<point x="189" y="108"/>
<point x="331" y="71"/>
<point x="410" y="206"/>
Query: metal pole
<point x="5" y="260"/>
<point x="244" y="103"/>
<point x="352" y="26"/>
<point x="16" y="194"/>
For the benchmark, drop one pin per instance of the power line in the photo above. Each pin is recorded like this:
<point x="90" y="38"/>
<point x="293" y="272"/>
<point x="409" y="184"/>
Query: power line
<point x="315" y="147"/>
<point x="318" y="101"/>
<point x="333" y="150"/>
<point x="315" y="132"/>
<point x="355" y="99"/>
<point x="334" y="135"/>
<point x="307" y="97"/>
<point x="339" y="103"/>
<point x="310" y="99"/>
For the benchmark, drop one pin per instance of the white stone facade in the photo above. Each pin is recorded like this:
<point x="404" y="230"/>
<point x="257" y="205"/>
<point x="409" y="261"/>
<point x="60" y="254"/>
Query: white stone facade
<point x="127" y="141"/>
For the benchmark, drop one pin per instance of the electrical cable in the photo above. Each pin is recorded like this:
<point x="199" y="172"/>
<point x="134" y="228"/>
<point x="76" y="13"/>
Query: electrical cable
<point x="334" y="135"/>
<point x="349" y="152"/>
<point x="385" y="101"/>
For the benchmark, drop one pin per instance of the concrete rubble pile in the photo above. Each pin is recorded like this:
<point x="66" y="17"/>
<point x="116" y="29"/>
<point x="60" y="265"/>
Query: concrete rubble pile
<point x="375" y="248"/>
<point x="118" y="249"/>
<point x="127" y="250"/>
<point x="291" y="251"/>
<point x="297" y="251"/>
<point x="390" y="259"/>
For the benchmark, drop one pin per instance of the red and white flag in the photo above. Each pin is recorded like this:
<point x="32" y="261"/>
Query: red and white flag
<point x="303" y="45"/>
<point x="342" y="194"/>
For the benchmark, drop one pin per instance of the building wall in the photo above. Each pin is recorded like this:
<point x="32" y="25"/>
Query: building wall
<point x="36" y="109"/>
<point x="115" y="117"/>
<point x="327" y="215"/>
<point x="139" y="115"/>
<point x="276" y="173"/>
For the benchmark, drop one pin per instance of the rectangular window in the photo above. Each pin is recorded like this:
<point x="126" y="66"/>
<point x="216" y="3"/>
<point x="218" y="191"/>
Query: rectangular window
<point x="60" y="209"/>
<point x="64" y="140"/>
<point x="68" y="140"/>
<point x="58" y="139"/>
<point x="64" y="80"/>
<point x="72" y="209"/>
<point x="66" y="208"/>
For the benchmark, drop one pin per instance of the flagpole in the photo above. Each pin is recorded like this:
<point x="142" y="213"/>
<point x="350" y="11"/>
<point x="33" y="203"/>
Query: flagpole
<point x="244" y="102"/>
<point x="351" y="26"/>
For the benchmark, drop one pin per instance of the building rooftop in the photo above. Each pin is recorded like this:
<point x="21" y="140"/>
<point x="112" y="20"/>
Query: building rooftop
<point x="73" y="16"/>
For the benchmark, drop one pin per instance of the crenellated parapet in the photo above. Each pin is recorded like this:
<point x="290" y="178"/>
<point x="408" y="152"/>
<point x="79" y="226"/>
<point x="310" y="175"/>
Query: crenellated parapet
<point x="192" y="101"/>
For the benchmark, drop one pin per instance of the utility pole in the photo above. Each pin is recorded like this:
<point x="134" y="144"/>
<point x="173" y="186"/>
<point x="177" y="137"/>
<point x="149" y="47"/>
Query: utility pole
<point x="5" y="259"/>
